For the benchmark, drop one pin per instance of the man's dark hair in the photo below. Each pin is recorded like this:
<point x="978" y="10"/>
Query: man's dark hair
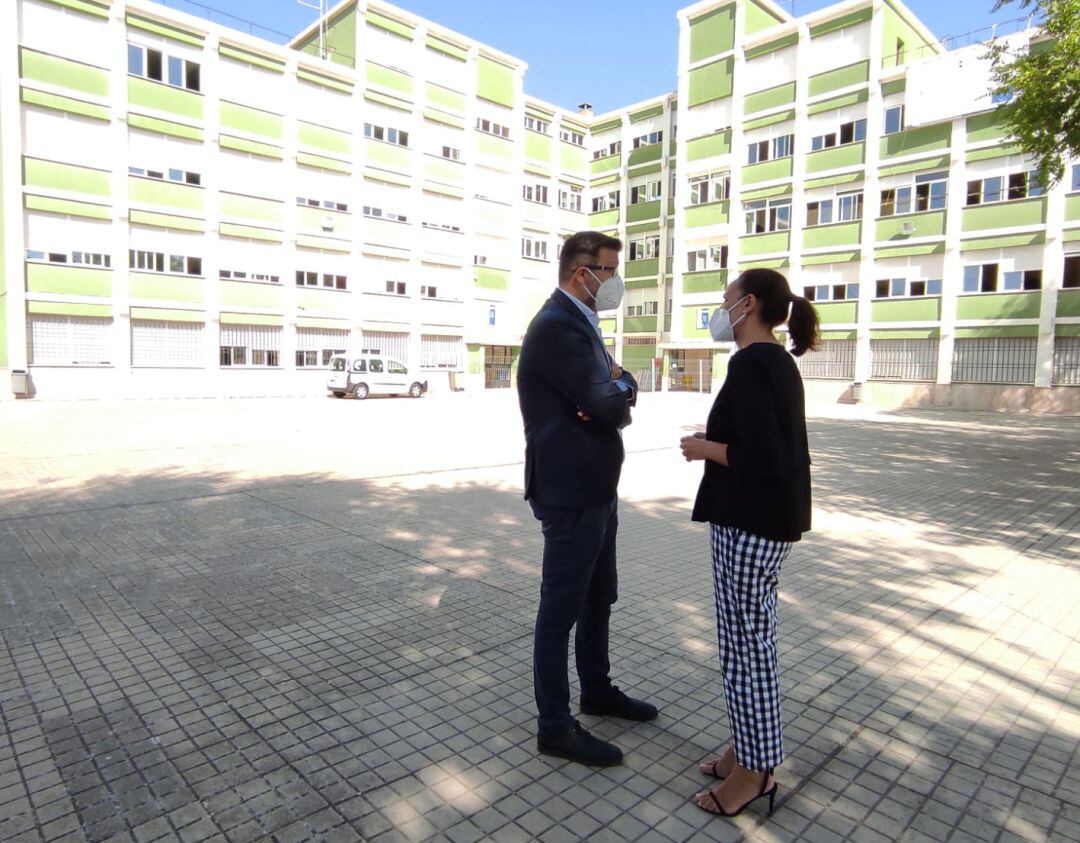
<point x="583" y="248"/>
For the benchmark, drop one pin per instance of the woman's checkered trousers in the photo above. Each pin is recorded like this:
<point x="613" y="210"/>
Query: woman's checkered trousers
<point x="746" y="571"/>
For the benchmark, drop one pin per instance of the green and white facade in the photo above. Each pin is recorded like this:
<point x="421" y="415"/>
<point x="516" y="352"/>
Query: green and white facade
<point x="189" y="210"/>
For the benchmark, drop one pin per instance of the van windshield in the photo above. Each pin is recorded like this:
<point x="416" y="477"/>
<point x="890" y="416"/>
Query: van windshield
<point x="395" y="368"/>
<point x="337" y="364"/>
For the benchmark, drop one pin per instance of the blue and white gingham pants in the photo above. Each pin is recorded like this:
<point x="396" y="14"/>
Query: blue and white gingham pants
<point x="746" y="571"/>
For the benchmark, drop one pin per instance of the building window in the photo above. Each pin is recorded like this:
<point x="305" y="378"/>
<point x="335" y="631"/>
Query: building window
<point x="713" y="187"/>
<point x="451" y="153"/>
<point x="644" y="248"/>
<point x="894" y="120"/>
<point x="606" y="201"/>
<point x="427" y="291"/>
<point x="380" y="214"/>
<point x="156" y="262"/>
<point x="647" y="192"/>
<point x="570" y="198"/>
<point x="1004" y="188"/>
<point x="535" y="193"/>
<point x="307" y="279"/>
<point x="898" y="287"/>
<point x="778" y="147"/>
<point x="981" y="278"/>
<point x="250" y="346"/>
<point x="156" y="65"/>
<point x="570" y="136"/>
<point x="767" y="215"/>
<point x="244" y="275"/>
<point x="99" y="259"/>
<point x="613" y="148"/>
<point x="335" y="282"/>
<point x="849" y="206"/>
<point x="325" y="204"/>
<point x="396" y="288"/>
<point x="70" y="340"/>
<point x="178" y="176"/>
<point x="442" y="226"/>
<point x="534" y="248"/>
<point x="709" y="258"/>
<point x="386" y="134"/>
<point x="850" y="132"/>
<point x="820" y="212"/>
<point x="1075" y="177"/>
<point x="489" y="127"/>
<point x="648" y="139"/>
<point x="1071" y="274"/>
<point x="930" y="192"/>
<point x="831" y="292"/>
<point x="535" y="124"/>
<point x="1025" y="279"/>
<point x="164" y="343"/>
<point x="439" y="352"/>
<point x="315" y="346"/>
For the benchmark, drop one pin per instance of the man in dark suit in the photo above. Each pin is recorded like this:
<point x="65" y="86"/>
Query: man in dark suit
<point x="574" y="401"/>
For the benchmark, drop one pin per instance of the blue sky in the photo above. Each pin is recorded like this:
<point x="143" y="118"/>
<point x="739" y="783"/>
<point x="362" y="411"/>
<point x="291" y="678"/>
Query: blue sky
<point x="578" y="50"/>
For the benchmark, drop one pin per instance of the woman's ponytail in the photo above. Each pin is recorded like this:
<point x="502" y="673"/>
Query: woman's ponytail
<point x="803" y="326"/>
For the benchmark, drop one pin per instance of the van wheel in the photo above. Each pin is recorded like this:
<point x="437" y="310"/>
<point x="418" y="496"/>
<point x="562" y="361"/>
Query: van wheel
<point x="339" y="394"/>
<point x="361" y="390"/>
<point x="415" y="391"/>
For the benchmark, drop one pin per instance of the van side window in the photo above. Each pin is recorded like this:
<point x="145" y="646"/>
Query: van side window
<point x="359" y="365"/>
<point x="395" y="368"/>
<point x="376" y="366"/>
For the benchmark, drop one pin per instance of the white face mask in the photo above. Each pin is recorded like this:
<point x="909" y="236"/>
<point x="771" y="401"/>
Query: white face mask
<point x="720" y="325"/>
<point x="609" y="295"/>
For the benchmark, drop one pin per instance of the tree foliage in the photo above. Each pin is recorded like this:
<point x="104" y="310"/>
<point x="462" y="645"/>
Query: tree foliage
<point x="1044" y="114"/>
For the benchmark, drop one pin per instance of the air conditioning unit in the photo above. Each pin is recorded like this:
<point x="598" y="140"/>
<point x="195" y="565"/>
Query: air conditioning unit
<point x="328" y="223"/>
<point x="907" y="227"/>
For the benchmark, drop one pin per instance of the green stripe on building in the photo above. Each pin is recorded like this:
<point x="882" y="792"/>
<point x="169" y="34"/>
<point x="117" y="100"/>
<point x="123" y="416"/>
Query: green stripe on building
<point x="166" y="314"/>
<point x="447" y="47"/>
<point x="494" y="81"/>
<point x="168" y="30"/>
<point x="59" y="103"/>
<point x="263" y="60"/>
<point x="254" y="147"/>
<point x="67" y="206"/>
<point x="56" y="308"/>
<point x="156" y="220"/>
<point x="405" y="30"/>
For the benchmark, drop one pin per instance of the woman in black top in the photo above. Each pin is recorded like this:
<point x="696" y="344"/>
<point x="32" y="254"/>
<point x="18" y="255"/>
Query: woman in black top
<point x="756" y="497"/>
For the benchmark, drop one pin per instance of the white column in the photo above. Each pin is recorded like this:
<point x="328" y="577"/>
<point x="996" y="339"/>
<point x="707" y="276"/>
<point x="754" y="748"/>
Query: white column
<point x="1053" y="266"/>
<point x="119" y="230"/>
<point x="14" y="249"/>
<point x="952" y="264"/>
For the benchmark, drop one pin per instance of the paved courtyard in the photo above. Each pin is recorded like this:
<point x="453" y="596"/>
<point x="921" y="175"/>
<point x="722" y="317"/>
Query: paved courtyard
<point x="310" y="619"/>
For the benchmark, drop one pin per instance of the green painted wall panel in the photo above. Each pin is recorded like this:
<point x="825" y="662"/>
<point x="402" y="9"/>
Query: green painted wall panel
<point x="848" y="155"/>
<point x="67" y="206"/>
<point x="604" y="165"/>
<point x="340" y="39"/>
<point x="713" y="213"/>
<point x="1072" y="207"/>
<point x="158" y="192"/>
<point x="146" y="285"/>
<point x="757" y="18"/>
<point x="1068" y="303"/>
<point x="842" y="101"/>
<point x="164" y="127"/>
<point x="642" y="284"/>
<point x="838" y="234"/>
<point x="64" y="73"/>
<point x="446" y="171"/>
<point x="705" y="282"/>
<point x="896" y="86"/>
<point x="266" y="150"/>
<point x="494" y="82"/>
<point x="492" y="279"/>
<point x="841" y="77"/>
<point x="252" y="120"/>
<point x="778" y="168"/>
<point x="927" y="224"/>
<point x="908" y="251"/>
<point x="639" y="325"/>
<point x="158" y="220"/>
<point x="711" y="82"/>
<point x="997" y="331"/>
<point x="850" y="19"/>
<point x="1005" y="214"/>
<point x="244" y="294"/>
<point x="162" y="97"/>
<point x="772" y="46"/>
<point x="491" y="145"/>
<point x="837" y="312"/>
<point x="1006" y="241"/>
<point x="322" y="137"/>
<point x="938" y="162"/>
<point x="998" y="151"/>
<point x="88" y="7"/>
<point x="174" y="32"/>
<point x="249" y="232"/>
<point x="896" y="25"/>
<point x="263" y="60"/>
<point x="52" y="174"/>
<point x="760" y="244"/>
<point x="320" y="162"/>
<point x="906" y="310"/>
<point x="831" y="257"/>
<point x="690" y="329"/>
<point x="769" y="120"/>
<point x="644" y="154"/>
<point x="646" y="113"/>
<point x="641" y="268"/>
<point x="604" y="218"/>
<point x="387" y="78"/>
<point x="769" y="98"/>
<point x="403" y="30"/>
<point x="68" y="280"/>
<point x="712" y="33"/>
<point x="444" y="97"/>
<point x="911" y="141"/>
<point x="987" y="126"/>
<point x="69" y="104"/>
<point x="709" y="146"/>
<point x="643" y="211"/>
<point x="572" y="158"/>
<point x="999" y="306"/>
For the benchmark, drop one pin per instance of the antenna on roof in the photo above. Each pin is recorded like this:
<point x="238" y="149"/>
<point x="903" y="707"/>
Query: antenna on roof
<point x="320" y="6"/>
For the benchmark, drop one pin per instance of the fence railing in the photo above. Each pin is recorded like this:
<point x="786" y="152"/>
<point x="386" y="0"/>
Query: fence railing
<point x="904" y="360"/>
<point x="994" y="360"/>
<point x="1066" y="370"/>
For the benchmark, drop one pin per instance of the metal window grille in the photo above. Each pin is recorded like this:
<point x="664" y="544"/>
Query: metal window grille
<point x="315" y="346"/>
<point x="250" y="345"/>
<point x="1066" y="361"/>
<point x="158" y="343"/>
<point x="439" y="352"/>
<point x="689" y="374"/>
<point x="70" y="340"/>
<point x="648" y="379"/>
<point x="833" y="359"/>
<point x="388" y="343"/>
<point x="904" y="360"/>
<point x="994" y="360"/>
<point x="498" y="366"/>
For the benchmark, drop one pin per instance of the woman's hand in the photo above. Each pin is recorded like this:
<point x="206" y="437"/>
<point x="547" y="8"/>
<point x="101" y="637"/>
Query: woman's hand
<point x="694" y="447"/>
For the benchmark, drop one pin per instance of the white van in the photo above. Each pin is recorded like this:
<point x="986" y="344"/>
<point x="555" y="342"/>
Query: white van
<point x="362" y="375"/>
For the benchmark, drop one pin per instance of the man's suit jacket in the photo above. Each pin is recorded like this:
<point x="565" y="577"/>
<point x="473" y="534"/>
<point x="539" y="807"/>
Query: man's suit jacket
<point x="564" y="368"/>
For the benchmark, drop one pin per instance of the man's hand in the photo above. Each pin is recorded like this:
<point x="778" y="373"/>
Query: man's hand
<point x="616" y="371"/>
<point x="581" y="414"/>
